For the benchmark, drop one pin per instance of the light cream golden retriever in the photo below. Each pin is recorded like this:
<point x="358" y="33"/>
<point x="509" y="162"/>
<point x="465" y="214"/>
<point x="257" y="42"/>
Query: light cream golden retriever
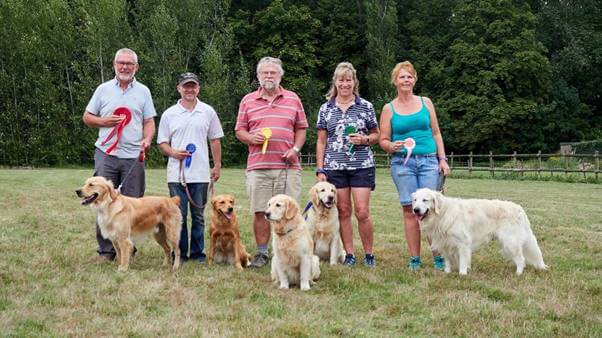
<point x="457" y="227"/>
<point x="225" y="245"/>
<point x="124" y="220"/>
<point x="323" y="223"/>
<point x="293" y="262"/>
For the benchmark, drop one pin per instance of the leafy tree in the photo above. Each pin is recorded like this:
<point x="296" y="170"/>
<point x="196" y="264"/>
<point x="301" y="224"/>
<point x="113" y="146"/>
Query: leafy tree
<point x="497" y="78"/>
<point x="381" y="49"/>
<point x="572" y="33"/>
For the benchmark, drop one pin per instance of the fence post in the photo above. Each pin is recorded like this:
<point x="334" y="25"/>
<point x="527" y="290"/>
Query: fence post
<point x="470" y="163"/>
<point x="597" y="158"/>
<point x="491" y="171"/>
<point x="514" y="161"/>
<point x="566" y="165"/>
<point x="451" y="156"/>
<point x="538" y="163"/>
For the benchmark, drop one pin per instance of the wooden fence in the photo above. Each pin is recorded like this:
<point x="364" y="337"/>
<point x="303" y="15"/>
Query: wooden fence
<point x="506" y="163"/>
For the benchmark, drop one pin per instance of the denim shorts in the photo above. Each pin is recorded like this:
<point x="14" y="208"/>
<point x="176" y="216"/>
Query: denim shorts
<point x="421" y="171"/>
<point x="358" y="178"/>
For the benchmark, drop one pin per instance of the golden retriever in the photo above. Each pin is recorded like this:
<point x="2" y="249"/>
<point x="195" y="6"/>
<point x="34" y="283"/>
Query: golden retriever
<point x="323" y="223"/>
<point x="225" y="245"/>
<point x="293" y="262"/>
<point x="457" y="227"/>
<point x="124" y="220"/>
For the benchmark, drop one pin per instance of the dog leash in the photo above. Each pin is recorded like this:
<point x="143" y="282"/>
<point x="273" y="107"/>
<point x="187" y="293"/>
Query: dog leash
<point x="210" y="189"/>
<point x="140" y="159"/>
<point x="307" y="207"/>
<point x="441" y="183"/>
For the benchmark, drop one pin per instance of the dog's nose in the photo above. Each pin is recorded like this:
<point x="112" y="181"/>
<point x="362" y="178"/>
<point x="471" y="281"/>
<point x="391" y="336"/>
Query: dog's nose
<point x="267" y="215"/>
<point x="330" y="198"/>
<point x="78" y="192"/>
<point x="230" y="209"/>
<point x="416" y="210"/>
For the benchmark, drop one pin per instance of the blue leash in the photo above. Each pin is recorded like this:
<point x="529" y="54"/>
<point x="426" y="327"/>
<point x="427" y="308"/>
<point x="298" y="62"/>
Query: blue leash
<point x="307" y="207"/>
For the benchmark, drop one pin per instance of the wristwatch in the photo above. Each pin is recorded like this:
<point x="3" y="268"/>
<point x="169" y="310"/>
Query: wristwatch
<point x="296" y="149"/>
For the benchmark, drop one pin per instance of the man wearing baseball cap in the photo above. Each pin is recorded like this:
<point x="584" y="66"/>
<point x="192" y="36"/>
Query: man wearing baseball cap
<point x="186" y="132"/>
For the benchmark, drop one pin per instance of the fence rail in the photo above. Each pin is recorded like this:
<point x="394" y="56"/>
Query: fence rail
<point x="505" y="163"/>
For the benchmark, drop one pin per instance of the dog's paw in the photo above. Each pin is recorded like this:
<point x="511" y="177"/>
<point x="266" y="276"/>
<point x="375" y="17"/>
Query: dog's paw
<point x="304" y="286"/>
<point x="283" y="286"/>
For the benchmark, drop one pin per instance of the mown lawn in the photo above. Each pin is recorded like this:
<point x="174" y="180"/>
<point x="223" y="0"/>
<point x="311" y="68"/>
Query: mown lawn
<point x="50" y="286"/>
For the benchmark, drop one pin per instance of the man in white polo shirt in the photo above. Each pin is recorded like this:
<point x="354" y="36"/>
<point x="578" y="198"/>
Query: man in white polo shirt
<point x="183" y="133"/>
<point x="122" y="109"/>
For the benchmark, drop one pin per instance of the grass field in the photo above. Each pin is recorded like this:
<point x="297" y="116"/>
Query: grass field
<point x="50" y="286"/>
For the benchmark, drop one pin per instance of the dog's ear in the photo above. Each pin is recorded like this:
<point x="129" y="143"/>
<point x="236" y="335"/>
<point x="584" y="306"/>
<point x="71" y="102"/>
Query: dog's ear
<point x="436" y="201"/>
<point x="336" y="198"/>
<point x="291" y="209"/>
<point x="313" y="195"/>
<point x="112" y="191"/>
<point x="213" y="201"/>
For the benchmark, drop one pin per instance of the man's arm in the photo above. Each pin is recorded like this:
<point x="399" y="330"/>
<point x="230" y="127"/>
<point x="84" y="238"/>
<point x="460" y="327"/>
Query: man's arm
<point x="148" y="132"/>
<point x="248" y="138"/>
<point x="216" y="153"/>
<point x="167" y="150"/>
<point x="291" y="155"/>
<point x="94" y="121"/>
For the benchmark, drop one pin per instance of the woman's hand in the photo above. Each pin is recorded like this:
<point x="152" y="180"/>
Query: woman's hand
<point x="444" y="167"/>
<point x="357" y="138"/>
<point x="396" y="146"/>
<point x="321" y="177"/>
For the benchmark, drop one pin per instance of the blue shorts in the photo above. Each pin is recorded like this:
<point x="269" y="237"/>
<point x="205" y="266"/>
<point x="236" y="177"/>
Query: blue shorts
<point x="358" y="178"/>
<point x="421" y="171"/>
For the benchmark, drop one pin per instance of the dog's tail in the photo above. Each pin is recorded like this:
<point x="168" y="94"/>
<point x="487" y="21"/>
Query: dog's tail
<point x="531" y="249"/>
<point x="176" y="200"/>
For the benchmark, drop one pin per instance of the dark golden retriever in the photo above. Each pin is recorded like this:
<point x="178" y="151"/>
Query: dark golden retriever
<point x="124" y="219"/>
<point x="225" y="245"/>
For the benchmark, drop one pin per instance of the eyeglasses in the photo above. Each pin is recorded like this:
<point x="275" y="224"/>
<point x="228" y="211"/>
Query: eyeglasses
<point x="123" y="63"/>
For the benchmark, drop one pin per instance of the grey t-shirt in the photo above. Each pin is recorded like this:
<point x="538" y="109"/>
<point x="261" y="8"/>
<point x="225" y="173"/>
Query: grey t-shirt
<point x="137" y="98"/>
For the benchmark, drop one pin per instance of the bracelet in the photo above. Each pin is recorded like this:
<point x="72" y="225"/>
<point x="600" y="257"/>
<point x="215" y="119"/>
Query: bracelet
<point x="296" y="149"/>
<point x="321" y="171"/>
<point x="443" y="158"/>
<point x="367" y="140"/>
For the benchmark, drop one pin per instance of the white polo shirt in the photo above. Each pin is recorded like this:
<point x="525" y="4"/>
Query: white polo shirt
<point x="178" y="128"/>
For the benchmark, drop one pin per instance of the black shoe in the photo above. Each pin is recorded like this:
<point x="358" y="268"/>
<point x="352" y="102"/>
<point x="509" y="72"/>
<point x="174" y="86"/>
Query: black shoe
<point x="260" y="260"/>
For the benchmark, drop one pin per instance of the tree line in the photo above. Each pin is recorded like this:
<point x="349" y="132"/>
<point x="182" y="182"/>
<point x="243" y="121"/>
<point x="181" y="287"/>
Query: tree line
<point x="505" y="75"/>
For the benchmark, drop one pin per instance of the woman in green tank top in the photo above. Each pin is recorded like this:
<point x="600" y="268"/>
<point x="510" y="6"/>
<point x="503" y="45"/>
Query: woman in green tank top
<point x="410" y="132"/>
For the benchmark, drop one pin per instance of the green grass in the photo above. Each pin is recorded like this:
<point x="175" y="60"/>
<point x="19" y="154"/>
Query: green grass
<point x="50" y="286"/>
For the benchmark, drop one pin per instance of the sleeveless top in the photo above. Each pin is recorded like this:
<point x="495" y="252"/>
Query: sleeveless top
<point x="417" y="126"/>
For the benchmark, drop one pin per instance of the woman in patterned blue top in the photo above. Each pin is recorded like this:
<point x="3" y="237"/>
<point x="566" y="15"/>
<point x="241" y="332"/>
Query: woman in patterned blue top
<point x="347" y="128"/>
<point x="410" y="116"/>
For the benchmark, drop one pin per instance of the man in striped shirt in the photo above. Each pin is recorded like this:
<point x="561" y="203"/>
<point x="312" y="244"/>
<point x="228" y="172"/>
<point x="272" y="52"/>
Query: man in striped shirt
<point x="272" y="122"/>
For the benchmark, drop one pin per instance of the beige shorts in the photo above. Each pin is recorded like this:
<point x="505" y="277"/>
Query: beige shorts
<point x="263" y="184"/>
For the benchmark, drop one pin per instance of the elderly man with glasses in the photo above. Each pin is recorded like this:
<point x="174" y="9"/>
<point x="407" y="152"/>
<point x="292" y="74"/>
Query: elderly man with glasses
<point x="122" y="109"/>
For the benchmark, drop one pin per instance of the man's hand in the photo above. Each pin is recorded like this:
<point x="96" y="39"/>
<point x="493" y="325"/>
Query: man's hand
<point x="215" y="173"/>
<point x="179" y="154"/>
<point x="257" y="138"/>
<point x="291" y="156"/>
<point x="112" y="120"/>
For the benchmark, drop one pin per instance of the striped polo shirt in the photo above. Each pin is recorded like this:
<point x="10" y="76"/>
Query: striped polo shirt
<point x="283" y="116"/>
<point x="362" y="117"/>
